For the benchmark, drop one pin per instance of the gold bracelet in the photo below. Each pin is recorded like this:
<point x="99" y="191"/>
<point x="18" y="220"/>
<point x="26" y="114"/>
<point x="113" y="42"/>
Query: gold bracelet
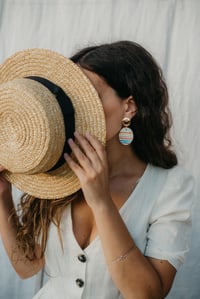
<point x="124" y="256"/>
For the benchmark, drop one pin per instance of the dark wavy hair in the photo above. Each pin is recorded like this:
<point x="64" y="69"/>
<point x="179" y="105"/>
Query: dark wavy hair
<point x="131" y="70"/>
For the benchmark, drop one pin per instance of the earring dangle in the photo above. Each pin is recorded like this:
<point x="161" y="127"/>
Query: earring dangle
<point x="126" y="134"/>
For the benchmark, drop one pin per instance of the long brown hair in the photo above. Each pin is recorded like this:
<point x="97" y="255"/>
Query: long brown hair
<point x="132" y="71"/>
<point x="35" y="216"/>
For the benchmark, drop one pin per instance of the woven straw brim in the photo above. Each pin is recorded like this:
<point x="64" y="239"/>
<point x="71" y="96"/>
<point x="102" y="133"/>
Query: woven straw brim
<point x="30" y="119"/>
<point x="89" y="114"/>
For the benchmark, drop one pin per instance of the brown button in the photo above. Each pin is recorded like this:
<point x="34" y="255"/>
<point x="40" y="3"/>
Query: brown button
<point x="82" y="258"/>
<point x="79" y="282"/>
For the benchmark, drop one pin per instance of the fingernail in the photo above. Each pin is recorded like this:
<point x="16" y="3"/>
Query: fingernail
<point x="87" y="133"/>
<point x="76" y="133"/>
<point x="70" y="141"/>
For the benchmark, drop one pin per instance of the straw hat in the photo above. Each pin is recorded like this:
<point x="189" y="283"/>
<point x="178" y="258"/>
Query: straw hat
<point x="35" y="121"/>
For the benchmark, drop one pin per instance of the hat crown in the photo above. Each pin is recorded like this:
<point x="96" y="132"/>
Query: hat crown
<point x="32" y="127"/>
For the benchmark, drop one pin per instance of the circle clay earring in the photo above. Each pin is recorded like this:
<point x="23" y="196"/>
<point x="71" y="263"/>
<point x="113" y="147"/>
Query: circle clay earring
<point x="126" y="134"/>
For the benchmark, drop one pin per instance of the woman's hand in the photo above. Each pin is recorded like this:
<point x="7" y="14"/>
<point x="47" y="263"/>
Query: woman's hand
<point x="91" y="168"/>
<point x="5" y="186"/>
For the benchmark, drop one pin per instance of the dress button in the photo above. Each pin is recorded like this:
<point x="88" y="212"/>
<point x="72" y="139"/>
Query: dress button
<point x="82" y="258"/>
<point x="79" y="282"/>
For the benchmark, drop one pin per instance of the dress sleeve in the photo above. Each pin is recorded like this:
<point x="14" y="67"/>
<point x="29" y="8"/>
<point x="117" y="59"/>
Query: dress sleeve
<point x="169" y="231"/>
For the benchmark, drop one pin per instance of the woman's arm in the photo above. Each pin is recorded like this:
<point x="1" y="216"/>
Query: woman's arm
<point x="8" y="232"/>
<point x="134" y="275"/>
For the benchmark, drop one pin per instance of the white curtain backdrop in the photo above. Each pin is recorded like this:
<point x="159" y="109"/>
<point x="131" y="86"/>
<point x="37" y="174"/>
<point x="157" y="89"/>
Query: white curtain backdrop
<point x="170" y="30"/>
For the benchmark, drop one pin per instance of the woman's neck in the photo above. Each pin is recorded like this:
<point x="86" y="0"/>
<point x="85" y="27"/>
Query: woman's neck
<point x="122" y="160"/>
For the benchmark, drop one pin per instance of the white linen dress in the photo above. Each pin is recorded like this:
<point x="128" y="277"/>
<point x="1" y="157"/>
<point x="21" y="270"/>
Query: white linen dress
<point x="158" y="216"/>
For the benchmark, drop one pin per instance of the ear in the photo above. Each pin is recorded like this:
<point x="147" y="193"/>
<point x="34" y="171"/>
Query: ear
<point x="130" y="107"/>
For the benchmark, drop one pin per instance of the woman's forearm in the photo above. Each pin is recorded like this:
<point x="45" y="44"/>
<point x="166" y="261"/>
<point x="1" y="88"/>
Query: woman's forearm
<point x="132" y="273"/>
<point x="8" y="231"/>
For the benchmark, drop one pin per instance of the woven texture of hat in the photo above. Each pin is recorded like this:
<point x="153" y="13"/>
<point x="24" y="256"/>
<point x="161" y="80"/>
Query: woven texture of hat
<point x="30" y="120"/>
<point x="89" y="116"/>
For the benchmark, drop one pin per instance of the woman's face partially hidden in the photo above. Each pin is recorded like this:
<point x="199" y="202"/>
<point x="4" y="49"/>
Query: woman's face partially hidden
<point x="114" y="107"/>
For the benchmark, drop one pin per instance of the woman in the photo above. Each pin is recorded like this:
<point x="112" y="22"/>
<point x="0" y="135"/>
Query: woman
<point x="125" y="234"/>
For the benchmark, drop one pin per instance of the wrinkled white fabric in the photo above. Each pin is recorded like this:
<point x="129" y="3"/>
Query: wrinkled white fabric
<point x="157" y="214"/>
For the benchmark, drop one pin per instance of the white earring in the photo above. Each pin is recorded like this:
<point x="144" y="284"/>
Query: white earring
<point x="126" y="134"/>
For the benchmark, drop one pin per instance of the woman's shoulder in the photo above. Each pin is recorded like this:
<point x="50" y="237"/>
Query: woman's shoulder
<point x="175" y="175"/>
<point x="177" y="190"/>
<point x="170" y="187"/>
<point x="158" y="184"/>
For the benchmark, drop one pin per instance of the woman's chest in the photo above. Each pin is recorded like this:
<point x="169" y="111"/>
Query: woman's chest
<point x="83" y="221"/>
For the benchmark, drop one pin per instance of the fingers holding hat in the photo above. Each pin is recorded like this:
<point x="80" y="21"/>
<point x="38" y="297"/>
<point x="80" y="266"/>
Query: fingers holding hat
<point x="99" y="148"/>
<point x="88" y="152"/>
<point x="90" y="168"/>
<point x="92" y="148"/>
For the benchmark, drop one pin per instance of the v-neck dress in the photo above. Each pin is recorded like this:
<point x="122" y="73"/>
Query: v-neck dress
<point x="157" y="215"/>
